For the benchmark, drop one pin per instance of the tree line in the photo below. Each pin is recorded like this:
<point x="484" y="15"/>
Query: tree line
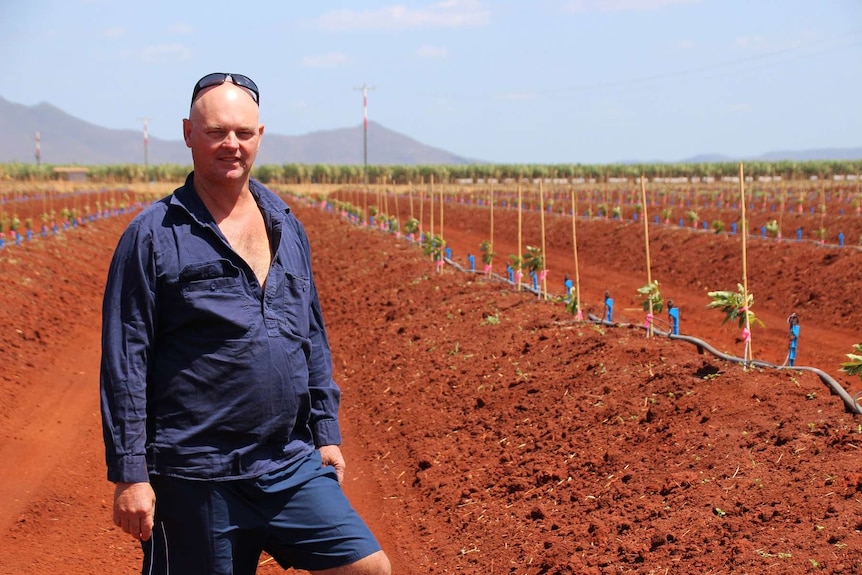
<point x="406" y="174"/>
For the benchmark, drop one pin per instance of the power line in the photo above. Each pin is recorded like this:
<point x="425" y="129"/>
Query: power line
<point x="365" y="90"/>
<point x="837" y="43"/>
<point x="146" y="146"/>
<point x="698" y="70"/>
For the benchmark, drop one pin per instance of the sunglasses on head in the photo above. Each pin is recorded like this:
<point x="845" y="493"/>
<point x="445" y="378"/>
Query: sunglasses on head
<point x="218" y="78"/>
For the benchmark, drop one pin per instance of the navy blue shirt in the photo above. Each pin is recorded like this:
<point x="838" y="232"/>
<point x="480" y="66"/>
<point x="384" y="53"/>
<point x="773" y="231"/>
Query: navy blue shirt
<point x="205" y="374"/>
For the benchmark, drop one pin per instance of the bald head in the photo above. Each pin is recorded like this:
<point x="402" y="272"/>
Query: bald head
<point x="224" y="132"/>
<point x="224" y="96"/>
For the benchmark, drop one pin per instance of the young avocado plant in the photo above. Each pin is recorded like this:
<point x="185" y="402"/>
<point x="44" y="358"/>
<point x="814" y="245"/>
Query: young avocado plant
<point x="572" y="305"/>
<point x="652" y="295"/>
<point x="854" y="366"/>
<point x="487" y="252"/>
<point x="433" y="246"/>
<point x="773" y="229"/>
<point x="533" y="260"/>
<point x="411" y="226"/>
<point x="736" y="306"/>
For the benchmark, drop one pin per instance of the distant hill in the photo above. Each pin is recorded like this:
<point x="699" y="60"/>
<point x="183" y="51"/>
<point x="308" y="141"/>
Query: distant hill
<point x="69" y="140"/>
<point x="837" y="154"/>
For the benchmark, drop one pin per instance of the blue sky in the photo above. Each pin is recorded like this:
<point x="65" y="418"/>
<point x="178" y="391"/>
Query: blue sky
<point x="544" y="81"/>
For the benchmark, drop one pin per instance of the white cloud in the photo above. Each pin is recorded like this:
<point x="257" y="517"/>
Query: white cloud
<point x="517" y="96"/>
<point x="164" y="52"/>
<point x="751" y="43"/>
<point x="332" y="60"/>
<point x="685" y="44"/>
<point x="445" y="14"/>
<point x="115" y="32"/>
<point x="432" y="52"/>
<point x="181" y="29"/>
<point x="623" y="5"/>
<point x="761" y="45"/>
<point x="739" y="108"/>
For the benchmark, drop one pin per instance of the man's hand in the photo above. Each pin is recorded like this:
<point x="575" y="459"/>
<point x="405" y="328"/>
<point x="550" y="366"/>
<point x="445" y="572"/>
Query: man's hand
<point x="134" y="509"/>
<point x="331" y="455"/>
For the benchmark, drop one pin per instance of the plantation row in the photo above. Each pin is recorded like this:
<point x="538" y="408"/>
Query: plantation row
<point x="406" y="174"/>
<point x="28" y="214"/>
<point x="25" y="212"/>
<point x="527" y="270"/>
<point x="826" y="213"/>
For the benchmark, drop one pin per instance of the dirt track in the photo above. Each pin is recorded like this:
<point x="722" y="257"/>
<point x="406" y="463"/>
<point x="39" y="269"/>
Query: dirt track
<point x="529" y="445"/>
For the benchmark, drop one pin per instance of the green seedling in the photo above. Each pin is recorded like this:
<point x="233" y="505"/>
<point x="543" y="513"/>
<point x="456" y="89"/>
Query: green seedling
<point x="854" y="366"/>
<point x="487" y="250"/>
<point x="652" y="295"/>
<point x="736" y="306"/>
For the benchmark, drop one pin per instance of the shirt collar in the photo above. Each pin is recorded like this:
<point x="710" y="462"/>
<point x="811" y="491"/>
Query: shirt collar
<point x="187" y="199"/>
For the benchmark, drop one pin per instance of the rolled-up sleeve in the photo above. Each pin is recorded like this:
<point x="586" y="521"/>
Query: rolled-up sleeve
<point x="128" y="312"/>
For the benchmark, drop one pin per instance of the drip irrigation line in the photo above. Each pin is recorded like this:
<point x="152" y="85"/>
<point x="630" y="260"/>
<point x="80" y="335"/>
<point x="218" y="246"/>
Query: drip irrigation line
<point x="852" y="403"/>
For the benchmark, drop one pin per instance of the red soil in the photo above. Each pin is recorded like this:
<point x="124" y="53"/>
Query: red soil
<point x="486" y="431"/>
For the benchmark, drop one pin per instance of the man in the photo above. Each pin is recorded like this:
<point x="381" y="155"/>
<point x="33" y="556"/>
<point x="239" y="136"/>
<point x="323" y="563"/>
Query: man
<point x="219" y="411"/>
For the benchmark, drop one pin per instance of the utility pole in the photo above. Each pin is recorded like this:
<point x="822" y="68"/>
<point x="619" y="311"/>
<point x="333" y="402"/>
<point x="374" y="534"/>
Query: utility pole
<point x="146" y="152"/>
<point x="365" y="89"/>
<point x="38" y="149"/>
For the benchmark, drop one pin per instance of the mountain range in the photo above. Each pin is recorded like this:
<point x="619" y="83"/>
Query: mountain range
<point x="66" y="139"/>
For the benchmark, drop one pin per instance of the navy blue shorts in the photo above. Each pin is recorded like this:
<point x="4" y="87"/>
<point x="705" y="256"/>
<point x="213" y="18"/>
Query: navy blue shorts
<point x="299" y="515"/>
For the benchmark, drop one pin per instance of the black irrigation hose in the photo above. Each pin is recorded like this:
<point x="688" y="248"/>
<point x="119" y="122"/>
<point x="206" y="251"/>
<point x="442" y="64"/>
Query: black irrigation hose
<point x="851" y="402"/>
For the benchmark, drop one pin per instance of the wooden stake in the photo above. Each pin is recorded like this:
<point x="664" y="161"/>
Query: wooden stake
<point x="747" y="352"/>
<point x="781" y="213"/>
<point x="378" y="200"/>
<point x="649" y="330"/>
<point x="385" y="192"/>
<point x="492" y="219"/>
<point x="442" y="241"/>
<point x="542" y="220"/>
<point x="367" y="218"/>
<point x="410" y="196"/>
<point x="421" y="202"/>
<point x="397" y="215"/>
<point x="859" y="192"/>
<point x="441" y="213"/>
<point x="431" y="207"/>
<point x="822" y="231"/>
<point x="575" y="250"/>
<point x="520" y="254"/>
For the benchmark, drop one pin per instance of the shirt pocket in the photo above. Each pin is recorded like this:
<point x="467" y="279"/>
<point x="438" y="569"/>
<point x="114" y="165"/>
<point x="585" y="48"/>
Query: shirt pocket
<point x="296" y="298"/>
<point x="216" y="298"/>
